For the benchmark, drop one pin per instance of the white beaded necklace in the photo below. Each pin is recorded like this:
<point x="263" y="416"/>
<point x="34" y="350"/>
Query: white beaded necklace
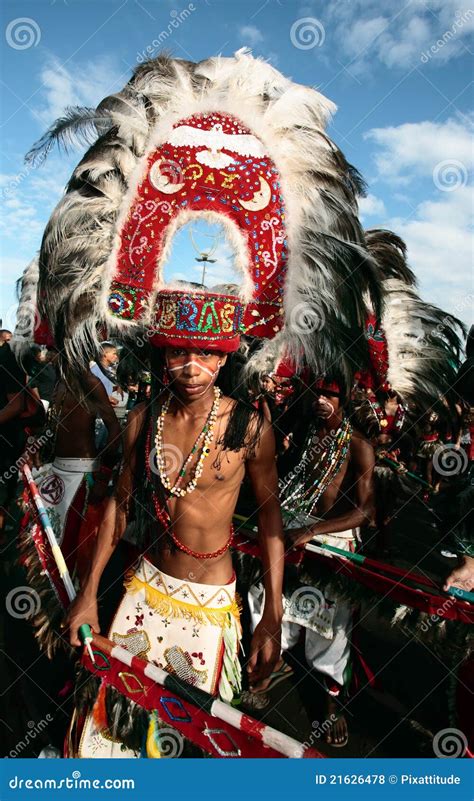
<point x="207" y="432"/>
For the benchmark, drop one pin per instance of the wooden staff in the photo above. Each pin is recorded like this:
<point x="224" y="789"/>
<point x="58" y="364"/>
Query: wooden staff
<point x="85" y="631"/>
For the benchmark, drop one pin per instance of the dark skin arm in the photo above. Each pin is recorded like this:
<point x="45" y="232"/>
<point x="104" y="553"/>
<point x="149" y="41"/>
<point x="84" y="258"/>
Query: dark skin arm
<point x="363" y="462"/>
<point x="265" y="647"/>
<point x="13" y="408"/>
<point x="84" y="608"/>
<point x="109" y="454"/>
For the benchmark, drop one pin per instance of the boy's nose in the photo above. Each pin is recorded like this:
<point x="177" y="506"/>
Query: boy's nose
<point x="192" y="368"/>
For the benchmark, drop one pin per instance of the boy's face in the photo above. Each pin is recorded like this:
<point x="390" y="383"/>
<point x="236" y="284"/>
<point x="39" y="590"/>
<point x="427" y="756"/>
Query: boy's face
<point x="193" y="372"/>
<point x="326" y="404"/>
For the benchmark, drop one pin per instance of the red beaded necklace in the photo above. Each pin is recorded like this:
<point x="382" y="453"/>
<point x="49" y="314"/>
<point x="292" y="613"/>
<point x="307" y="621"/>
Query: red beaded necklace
<point x="164" y="517"/>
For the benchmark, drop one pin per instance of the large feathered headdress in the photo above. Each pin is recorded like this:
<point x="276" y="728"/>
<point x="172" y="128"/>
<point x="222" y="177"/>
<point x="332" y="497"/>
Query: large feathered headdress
<point x="416" y="347"/>
<point x="231" y="140"/>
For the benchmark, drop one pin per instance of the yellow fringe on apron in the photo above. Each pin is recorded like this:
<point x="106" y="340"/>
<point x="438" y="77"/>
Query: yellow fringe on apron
<point x="172" y="607"/>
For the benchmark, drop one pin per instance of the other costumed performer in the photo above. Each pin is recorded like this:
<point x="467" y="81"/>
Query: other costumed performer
<point x="234" y="142"/>
<point x="415" y="356"/>
<point x="326" y="492"/>
<point x="73" y="476"/>
<point x="414" y="353"/>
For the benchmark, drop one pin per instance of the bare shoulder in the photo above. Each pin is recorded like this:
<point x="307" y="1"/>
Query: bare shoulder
<point x="226" y="406"/>
<point x="135" y="422"/>
<point x="260" y="432"/>
<point x="361" y="448"/>
<point x="92" y="382"/>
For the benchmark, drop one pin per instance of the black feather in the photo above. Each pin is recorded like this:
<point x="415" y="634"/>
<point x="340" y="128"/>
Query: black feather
<point x="389" y="251"/>
<point x="79" y="126"/>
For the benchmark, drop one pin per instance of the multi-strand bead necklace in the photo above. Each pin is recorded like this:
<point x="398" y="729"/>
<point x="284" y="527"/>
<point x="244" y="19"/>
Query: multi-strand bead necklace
<point x="301" y="492"/>
<point x="161" y="510"/>
<point x="206" y="435"/>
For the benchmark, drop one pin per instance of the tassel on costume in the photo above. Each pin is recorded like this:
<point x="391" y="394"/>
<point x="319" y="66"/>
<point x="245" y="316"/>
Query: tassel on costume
<point x="152" y="738"/>
<point x="99" y="711"/>
<point x="230" y="681"/>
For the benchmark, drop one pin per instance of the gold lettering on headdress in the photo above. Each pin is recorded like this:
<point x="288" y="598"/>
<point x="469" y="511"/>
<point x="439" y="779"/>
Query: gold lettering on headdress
<point x="167" y="318"/>
<point x="228" y="178"/>
<point x="227" y="314"/>
<point x="196" y="171"/>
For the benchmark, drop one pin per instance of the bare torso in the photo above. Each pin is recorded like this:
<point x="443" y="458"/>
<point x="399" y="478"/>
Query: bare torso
<point x="76" y="427"/>
<point x="201" y="519"/>
<point x="341" y="495"/>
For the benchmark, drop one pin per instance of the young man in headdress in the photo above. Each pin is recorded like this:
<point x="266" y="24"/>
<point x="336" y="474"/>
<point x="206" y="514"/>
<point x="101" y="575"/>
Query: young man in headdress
<point x="232" y="142"/>
<point x="185" y="458"/>
<point x="326" y="497"/>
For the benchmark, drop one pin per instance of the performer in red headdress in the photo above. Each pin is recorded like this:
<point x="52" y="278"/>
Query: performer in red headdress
<point x="326" y="490"/>
<point x="234" y="142"/>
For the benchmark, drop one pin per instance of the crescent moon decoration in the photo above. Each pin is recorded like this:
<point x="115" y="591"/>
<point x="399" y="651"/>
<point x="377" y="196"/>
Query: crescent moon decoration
<point x="163" y="176"/>
<point x="260" y="199"/>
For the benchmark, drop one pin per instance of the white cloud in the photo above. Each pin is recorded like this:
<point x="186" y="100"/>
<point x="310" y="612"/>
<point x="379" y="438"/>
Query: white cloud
<point x="413" y="149"/>
<point x="250" y="35"/>
<point x="371" y="206"/>
<point x="363" y="34"/>
<point x="11" y="269"/>
<point x="440" y="250"/>
<point x="28" y="198"/>
<point x="400" y="36"/>
<point x="84" y="84"/>
<point x="438" y="231"/>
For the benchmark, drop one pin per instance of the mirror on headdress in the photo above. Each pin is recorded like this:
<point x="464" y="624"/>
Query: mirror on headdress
<point x="201" y="255"/>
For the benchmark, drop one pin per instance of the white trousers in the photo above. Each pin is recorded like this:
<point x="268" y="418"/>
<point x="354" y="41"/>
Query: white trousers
<point x="328" y="655"/>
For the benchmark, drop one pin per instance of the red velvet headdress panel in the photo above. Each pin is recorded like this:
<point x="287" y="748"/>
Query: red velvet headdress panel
<point x="376" y="377"/>
<point x="209" y="163"/>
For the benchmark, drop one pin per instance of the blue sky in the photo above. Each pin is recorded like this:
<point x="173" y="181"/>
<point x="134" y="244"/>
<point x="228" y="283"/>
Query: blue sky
<point x="399" y="72"/>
